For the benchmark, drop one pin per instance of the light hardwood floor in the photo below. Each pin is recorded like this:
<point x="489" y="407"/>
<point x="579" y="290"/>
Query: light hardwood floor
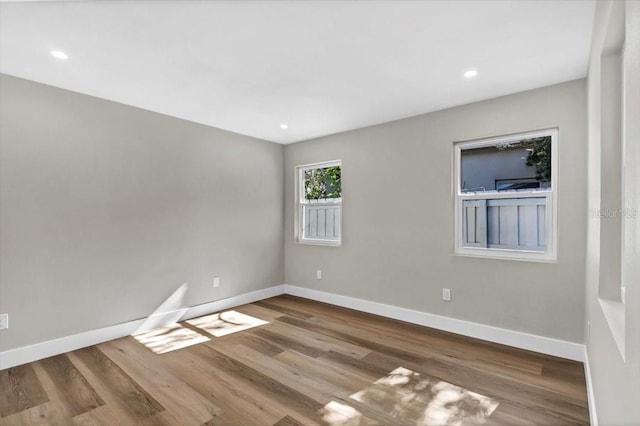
<point x="312" y="363"/>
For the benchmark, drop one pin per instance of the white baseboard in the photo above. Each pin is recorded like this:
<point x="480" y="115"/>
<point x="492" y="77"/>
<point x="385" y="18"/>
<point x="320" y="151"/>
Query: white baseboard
<point x="532" y="342"/>
<point x="30" y="353"/>
<point x="546" y="345"/>
<point x="593" y="416"/>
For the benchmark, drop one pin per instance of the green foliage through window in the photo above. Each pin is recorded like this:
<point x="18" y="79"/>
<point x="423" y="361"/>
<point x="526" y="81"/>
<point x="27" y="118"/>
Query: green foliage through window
<point x="540" y="157"/>
<point x="323" y="183"/>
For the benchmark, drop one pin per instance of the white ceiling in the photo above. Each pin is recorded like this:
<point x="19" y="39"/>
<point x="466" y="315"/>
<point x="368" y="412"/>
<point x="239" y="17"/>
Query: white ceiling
<point x="322" y="67"/>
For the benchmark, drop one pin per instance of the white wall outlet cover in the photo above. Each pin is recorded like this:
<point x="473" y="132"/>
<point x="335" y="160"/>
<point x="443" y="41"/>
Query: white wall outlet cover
<point x="4" y="321"/>
<point x="446" y="294"/>
<point x="216" y="282"/>
<point x="319" y="274"/>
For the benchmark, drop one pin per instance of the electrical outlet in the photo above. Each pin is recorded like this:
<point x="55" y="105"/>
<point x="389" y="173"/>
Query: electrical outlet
<point x="4" y="321"/>
<point x="446" y="294"/>
<point x="319" y="274"/>
<point x="216" y="282"/>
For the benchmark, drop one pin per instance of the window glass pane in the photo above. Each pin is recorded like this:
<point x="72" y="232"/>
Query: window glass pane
<point x="507" y="166"/>
<point x="505" y="223"/>
<point x="323" y="183"/>
<point x="321" y="221"/>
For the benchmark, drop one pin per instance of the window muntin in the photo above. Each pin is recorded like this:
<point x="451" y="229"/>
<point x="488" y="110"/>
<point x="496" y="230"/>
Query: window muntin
<point x="319" y="199"/>
<point x="505" y="196"/>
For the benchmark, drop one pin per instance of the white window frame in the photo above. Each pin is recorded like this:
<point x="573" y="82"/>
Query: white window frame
<point x="623" y="183"/>
<point x="300" y="203"/>
<point x="550" y="194"/>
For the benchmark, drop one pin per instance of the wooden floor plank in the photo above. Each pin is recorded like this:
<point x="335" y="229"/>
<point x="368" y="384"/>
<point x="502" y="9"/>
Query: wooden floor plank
<point x="311" y="364"/>
<point x="314" y="387"/>
<point x="114" y="410"/>
<point x="47" y="413"/>
<point x="275" y="305"/>
<point x="69" y="385"/>
<point x="352" y="336"/>
<point x="490" y="385"/>
<point x="20" y="391"/>
<point x="106" y="415"/>
<point x="254" y="342"/>
<point x="448" y="344"/>
<point x="317" y="341"/>
<point x="347" y="380"/>
<point x="253" y="385"/>
<point x="259" y="312"/>
<point x="287" y="342"/>
<point x="365" y="368"/>
<point x="288" y="421"/>
<point x="130" y="394"/>
<point x="171" y="392"/>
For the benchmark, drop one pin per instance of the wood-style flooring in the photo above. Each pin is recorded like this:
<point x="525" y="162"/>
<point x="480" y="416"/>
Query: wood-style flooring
<point x="312" y="363"/>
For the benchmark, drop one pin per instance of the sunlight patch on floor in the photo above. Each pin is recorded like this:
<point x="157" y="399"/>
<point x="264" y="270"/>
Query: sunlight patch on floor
<point x="418" y="400"/>
<point x="174" y="336"/>
<point x="224" y="323"/>
<point x="415" y="400"/>
<point x="169" y="338"/>
<point x="336" y="414"/>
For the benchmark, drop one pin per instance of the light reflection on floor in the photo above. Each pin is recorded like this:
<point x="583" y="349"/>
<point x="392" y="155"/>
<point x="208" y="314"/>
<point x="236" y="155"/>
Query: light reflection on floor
<point x="169" y="338"/>
<point x="174" y="336"/>
<point x="335" y="413"/>
<point x="416" y="400"/>
<point x="226" y="322"/>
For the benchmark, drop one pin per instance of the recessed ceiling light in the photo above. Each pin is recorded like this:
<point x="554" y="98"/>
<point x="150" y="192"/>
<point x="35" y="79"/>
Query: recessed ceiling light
<point x="471" y="74"/>
<point x="284" y="126"/>
<point x="58" y="54"/>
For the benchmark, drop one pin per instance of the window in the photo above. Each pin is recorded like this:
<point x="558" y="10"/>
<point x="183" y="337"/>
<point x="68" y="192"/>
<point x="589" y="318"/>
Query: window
<point x="505" y="190"/>
<point x="319" y="203"/>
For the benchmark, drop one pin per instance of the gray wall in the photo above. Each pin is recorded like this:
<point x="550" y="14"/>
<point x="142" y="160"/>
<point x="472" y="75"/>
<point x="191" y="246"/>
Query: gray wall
<point x="398" y="248"/>
<point x="106" y="210"/>
<point x="616" y="380"/>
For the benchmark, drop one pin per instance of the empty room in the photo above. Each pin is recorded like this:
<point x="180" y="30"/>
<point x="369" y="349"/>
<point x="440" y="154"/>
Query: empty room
<point x="320" y="212"/>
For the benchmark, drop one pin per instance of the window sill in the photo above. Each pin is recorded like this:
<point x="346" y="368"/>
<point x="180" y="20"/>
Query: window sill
<point x="521" y="255"/>
<point x="319" y="243"/>
<point x="614" y="312"/>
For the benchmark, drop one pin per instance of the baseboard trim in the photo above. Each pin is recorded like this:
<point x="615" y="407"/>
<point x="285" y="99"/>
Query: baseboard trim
<point x="25" y="354"/>
<point x="532" y="342"/>
<point x="591" y="398"/>
<point x="546" y="345"/>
